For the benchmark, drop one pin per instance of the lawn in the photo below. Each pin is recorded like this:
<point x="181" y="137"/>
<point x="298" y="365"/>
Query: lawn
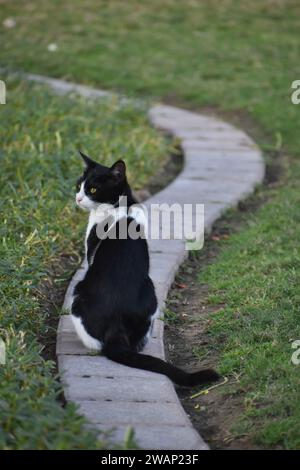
<point x="255" y="281"/>
<point x="239" y="58"/>
<point x="42" y="239"/>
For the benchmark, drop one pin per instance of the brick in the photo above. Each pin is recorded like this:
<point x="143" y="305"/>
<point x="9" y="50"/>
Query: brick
<point x="72" y="365"/>
<point x="134" y="413"/>
<point x="69" y="343"/>
<point x="158" y="437"/>
<point x="119" y="389"/>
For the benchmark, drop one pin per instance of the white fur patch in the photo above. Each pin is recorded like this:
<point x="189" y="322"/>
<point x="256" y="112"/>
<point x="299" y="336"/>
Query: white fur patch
<point x="105" y="210"/>
<point x="137" y="213"/>
<point x="88" y="341"/>
<point x="156" y="314"/>
<point x="78" y="276"/>
<point x="85" y="202"/>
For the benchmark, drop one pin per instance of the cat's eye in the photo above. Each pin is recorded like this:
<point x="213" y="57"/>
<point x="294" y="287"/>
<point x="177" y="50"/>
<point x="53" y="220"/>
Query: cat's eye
<point x="93" y="190"/>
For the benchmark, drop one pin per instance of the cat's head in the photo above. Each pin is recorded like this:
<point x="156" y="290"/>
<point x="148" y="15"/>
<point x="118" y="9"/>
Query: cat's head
<point x="100" y="184"/>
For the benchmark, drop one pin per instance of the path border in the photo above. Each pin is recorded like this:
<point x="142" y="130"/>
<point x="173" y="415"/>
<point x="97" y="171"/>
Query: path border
<point x="222" y="165"/>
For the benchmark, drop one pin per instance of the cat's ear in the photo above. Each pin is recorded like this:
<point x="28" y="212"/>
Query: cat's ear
<point x="118" y="170"/>
<point x="89" y="163"/>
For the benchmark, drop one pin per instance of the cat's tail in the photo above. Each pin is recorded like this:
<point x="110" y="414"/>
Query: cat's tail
<point x="117" y="349"/>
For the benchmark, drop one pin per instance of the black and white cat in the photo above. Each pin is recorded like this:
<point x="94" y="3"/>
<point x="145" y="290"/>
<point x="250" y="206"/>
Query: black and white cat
<point x="114" y="303"/>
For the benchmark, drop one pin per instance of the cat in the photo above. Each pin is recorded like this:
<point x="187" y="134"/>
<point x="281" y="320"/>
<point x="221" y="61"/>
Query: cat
<point x="114" y="303"/>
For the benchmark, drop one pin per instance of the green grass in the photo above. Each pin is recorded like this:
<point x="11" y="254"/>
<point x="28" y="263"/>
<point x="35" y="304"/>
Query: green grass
<point x="256" y="280"/>
<point x="227" y="54"/>
<point x="40" y="134"/>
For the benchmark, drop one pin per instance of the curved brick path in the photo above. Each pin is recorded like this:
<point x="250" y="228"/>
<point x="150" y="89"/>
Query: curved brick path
<point x="222" y="165"/>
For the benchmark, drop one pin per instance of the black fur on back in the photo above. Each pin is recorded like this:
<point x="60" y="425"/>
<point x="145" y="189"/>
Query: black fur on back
<point x="116" y="299"/>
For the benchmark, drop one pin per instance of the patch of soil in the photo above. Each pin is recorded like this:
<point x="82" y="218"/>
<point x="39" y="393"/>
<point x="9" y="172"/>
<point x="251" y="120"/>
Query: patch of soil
<point x="51" y="295"/>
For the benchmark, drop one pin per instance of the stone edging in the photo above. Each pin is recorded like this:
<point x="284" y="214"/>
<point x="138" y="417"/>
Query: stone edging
<point x="222" y="165"/>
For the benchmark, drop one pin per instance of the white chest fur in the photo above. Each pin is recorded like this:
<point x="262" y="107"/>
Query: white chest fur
<point x="107" y="210"/>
